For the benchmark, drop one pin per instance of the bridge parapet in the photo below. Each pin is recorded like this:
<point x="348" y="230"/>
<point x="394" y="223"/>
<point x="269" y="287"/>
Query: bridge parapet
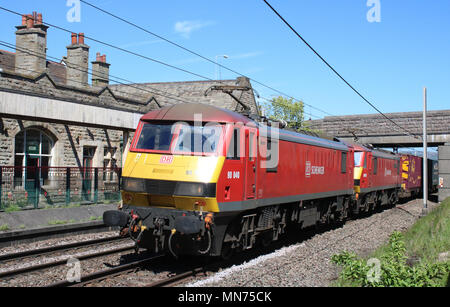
<point x="375" y="129"/>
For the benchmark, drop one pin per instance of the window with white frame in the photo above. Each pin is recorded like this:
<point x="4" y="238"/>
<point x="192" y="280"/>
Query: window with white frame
<point x="33" y="153"/>
<point x="109" y="163"/>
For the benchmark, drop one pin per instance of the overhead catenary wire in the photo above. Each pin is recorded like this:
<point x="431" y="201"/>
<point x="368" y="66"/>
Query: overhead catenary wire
<point x="146" y="57"/>
<point x="339" y="75"/>
<point x="11" y="46"/>
<point x="154" y="60"/>
<point x="131" y="84"/>
<point x="197" y="54"/>
<point x="117" y="47"/>
<point x="231" y="70"/>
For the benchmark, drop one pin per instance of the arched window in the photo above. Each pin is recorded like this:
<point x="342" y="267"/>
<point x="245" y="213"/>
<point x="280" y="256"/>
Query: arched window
<point x="33" y="153"/>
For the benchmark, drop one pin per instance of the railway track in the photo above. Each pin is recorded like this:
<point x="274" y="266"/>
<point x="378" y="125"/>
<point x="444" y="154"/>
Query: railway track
<point x="107" y="273"/>
<point x="177" y="279"/>
<point x="51" y="249"/>
<point x="129" y="267"/>
<point x="62" y="259"/>
<point x="34" y="235"/>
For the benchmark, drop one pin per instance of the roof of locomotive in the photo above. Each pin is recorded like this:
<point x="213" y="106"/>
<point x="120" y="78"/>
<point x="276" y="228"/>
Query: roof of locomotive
<point x="378" y="153"/>
<point x="185" y="112"/>
<point x="296" y="137"/>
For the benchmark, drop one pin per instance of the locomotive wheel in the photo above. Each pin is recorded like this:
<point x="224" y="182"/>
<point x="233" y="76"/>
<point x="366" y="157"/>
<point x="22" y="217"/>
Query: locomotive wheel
<point x="227" y="251"/>
<point x="265" y="239"/>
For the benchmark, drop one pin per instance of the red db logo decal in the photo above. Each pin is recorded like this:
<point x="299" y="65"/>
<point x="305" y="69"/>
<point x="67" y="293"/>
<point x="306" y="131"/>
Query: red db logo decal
<point x="166" y="160"/>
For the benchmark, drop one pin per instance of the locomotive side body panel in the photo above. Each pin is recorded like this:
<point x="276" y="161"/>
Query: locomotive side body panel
<point x="376" y="171"/>
<point x="385" y="172"/>
<point x="308" y="172"/>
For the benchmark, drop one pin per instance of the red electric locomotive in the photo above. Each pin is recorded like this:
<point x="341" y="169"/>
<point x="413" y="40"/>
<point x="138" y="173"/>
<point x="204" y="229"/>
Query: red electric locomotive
<point x="204" y="180"/>
<point x="377" y="178"/>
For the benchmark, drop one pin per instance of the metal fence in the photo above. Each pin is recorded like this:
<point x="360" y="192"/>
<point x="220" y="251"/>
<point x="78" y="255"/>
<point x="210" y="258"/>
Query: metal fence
<point x="40" y="187"/>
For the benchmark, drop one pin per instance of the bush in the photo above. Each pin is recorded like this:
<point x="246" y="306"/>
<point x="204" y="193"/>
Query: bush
<point x="391" y="270"/>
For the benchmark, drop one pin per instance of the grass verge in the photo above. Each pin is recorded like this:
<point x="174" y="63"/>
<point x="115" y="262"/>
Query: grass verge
<point x="417" y="258"/>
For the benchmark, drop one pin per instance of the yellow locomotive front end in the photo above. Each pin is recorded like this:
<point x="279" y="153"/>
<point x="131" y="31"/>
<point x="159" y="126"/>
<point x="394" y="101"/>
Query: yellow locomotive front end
<point x="168" y="186"/>
<point x="171" y="181"/>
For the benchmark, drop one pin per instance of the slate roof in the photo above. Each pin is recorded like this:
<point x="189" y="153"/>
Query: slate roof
<point x="56" y="70"/>
<point x="170" y="93"/>
<point x="7" y="60"/>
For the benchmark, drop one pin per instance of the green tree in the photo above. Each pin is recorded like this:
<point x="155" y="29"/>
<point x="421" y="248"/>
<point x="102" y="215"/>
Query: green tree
<point x="288" y="110"/>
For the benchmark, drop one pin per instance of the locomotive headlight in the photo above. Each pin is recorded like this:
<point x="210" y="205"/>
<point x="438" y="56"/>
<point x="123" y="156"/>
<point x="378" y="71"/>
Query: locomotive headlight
<point x="190" y="189"/>
<point x="133" y="185"/>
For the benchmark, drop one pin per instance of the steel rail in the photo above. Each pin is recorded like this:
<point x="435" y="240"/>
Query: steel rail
<point x="46" y="250"/>
<point x="177" y="278"/>
<point x="106" y="273"/>
<point x="62" y="261"/>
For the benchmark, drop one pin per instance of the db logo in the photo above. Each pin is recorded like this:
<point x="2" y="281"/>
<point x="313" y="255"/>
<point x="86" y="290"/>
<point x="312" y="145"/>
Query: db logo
<point x="166" y="160"/>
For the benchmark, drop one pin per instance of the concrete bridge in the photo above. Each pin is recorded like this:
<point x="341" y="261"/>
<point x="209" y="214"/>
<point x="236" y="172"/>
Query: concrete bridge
<point x="376" y="130"/>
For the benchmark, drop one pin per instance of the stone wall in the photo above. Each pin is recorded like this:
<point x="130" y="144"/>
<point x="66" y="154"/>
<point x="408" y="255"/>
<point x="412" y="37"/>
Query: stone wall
<point x="68" y="142"/>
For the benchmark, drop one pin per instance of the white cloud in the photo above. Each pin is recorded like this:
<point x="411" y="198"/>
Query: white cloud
<point x="246" y="55"/>
<point x="185" y="28"/>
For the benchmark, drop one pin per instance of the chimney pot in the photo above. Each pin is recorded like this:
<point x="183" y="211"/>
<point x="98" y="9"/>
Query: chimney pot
<point x="39" y="19"/>
<point x="77" y="62"/>
<point x="74" y="38"/>
<point x="34" y="41"/>
<point x="100" y="71"/>
<point x="81" y="38"/>
<point x="30" y="21"/>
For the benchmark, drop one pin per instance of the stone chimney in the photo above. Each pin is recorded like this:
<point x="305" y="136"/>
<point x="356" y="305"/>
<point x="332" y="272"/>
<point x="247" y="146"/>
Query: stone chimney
<point x="100" y="71"/>
<point x="31" y="45"/>
<point x="77" y="61"/>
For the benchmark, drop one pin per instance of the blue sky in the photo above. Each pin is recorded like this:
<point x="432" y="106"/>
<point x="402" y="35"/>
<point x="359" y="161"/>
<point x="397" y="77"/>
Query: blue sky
<point x="388" y="61"/>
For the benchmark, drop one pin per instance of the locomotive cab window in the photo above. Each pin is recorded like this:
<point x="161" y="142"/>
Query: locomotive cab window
<point x="251" y="148"/>
<point x="375" y="166"/>
<point x="271" y="144"/>
<point x="343" y="162"/>
<point x="358" y="158"/>
<point x="178" y="138"/>
<point x="234" y="146"/>
<point x="155" y="137"/>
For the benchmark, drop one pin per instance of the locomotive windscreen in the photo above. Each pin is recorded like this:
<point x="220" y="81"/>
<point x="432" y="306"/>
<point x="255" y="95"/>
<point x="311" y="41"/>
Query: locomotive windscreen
<point x="155" y="137"/>
<point x="358" y="158"/>
<point x="179" y="138"/>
